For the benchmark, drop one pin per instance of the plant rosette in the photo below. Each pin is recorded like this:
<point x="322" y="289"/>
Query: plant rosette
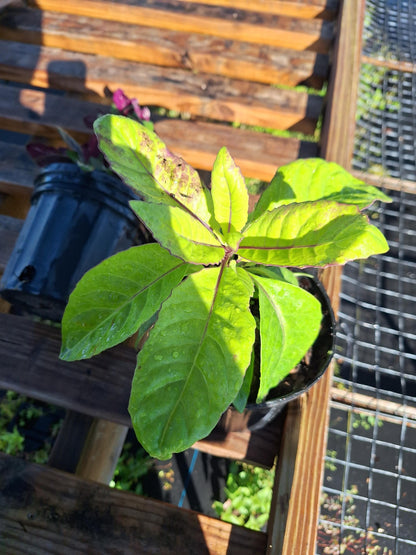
<point x="195" y="286"/>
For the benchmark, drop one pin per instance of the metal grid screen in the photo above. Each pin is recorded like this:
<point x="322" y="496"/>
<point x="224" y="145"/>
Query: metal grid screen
<point x="376" y="337"/>
<point x="369" y="494"/>
<point x="369" y="491"/>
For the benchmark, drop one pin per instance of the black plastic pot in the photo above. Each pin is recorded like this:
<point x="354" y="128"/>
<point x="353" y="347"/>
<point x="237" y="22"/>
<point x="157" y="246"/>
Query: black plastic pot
<point x="309" y="370"/>
<point x="76" y="220"/>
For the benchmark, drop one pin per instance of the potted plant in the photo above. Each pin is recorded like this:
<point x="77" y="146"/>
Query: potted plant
<point x="215" y="290"/>
<point x="79" y="216"/>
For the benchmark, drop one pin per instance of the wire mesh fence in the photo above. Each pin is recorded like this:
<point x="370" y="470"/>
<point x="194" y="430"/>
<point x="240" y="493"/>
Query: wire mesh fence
<point x="370" y="487"/>
<point x="386" y="107"/>
<point x="386" y="123"/>
<point x="376" y="350"/>
<point x="369" y="490"/>
<point x="389" y="30"/>
<point x="369" y="503"/>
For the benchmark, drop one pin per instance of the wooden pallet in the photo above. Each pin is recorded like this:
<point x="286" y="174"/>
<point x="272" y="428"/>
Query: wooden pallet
<point x="231" y="66"/>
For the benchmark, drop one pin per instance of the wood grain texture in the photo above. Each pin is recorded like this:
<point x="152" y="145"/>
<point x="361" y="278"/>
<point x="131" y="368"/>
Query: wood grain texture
<point x="257" y="154"/>
<point x="101" y="451"/>
<point x="39" y="113"/>
<point x="285" y="469"/>
<point x="43" y="510"/>
<point x="339" y="124"/>
<point x="202" y="95"/>
<point x="195" y="52"/>
<point x="396" y="65"/>
<point x="67" y="447"/>
<point x="302" y="517"/>
<point x="228" y="23"/>
<point x="386" y="182"/>
<point x="99" y="387"/>
<point x="356" y="402"/>
<point x="309" y="9"/>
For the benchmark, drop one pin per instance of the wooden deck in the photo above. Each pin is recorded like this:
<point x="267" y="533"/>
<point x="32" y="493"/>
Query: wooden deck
<point x="220" y="70"/>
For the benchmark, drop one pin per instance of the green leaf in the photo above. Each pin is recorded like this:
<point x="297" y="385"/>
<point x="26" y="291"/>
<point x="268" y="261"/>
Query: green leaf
<point x="229" y="193"/>
<point x="240" y="401"/>
<point x="113" y="299"/>
<point x="274" y="272"/>
<point x="72" y="144"/>
<point x="143" y="161"/>
<point x="180" y="232"/>
<point x="311" y="234"/>
<point x="284" y="340"/>
<point x="193" y="364"/>
<point x="313" y="179"/>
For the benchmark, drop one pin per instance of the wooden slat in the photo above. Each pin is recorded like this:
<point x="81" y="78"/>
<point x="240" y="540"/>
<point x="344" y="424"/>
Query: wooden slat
<point x="299" y="34"/>
<point x="391" y="183"/>
<point x="199" y="53"/>
<point x="101" y="451"/>
<point x="31" y="367"/>
<point x="257" y="154"/>
<point x="99" y="387"/>
<point x="39" y="113"/>
<point x="357" y="401"/>
<point x="202" y="95"/>
<point x="284" y="477"/>
<point x="43" y="510"/>
<point x="16" y="178"/>
<point x="302" y="516"/>
<point x="259" y="448"/>
<point x="308" y="9"/>
<point x="396" y="65"/>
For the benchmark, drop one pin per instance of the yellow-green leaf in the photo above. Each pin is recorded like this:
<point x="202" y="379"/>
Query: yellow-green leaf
<point x="180" y="232"/>
<point x="193" y="364"/>
<point x="229" y="193"/>
<point x="311" y="234"/>
<point x="143" y="161"/>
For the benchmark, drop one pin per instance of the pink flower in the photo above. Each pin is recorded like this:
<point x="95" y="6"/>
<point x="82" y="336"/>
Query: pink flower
<point x="121" y="101"/>
<point x="141" y="113"/>
<point x="127" y="105"/>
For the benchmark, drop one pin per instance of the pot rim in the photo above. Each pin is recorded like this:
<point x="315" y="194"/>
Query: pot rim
<point x="96" y="186"/>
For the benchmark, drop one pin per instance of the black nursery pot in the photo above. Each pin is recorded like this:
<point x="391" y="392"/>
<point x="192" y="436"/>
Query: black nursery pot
<point x="309" y="371"/>
<point x="76" y="220"/>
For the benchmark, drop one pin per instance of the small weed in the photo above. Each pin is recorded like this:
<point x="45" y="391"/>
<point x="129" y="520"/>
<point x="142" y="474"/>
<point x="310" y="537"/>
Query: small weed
<point x="19" y="414"/>
<point x="249" y="494"/>
<point x="365" y="421"/>
<point x="329" y="464"/>
<point x="331" y="540"/>
<point x="132" y="465"/>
